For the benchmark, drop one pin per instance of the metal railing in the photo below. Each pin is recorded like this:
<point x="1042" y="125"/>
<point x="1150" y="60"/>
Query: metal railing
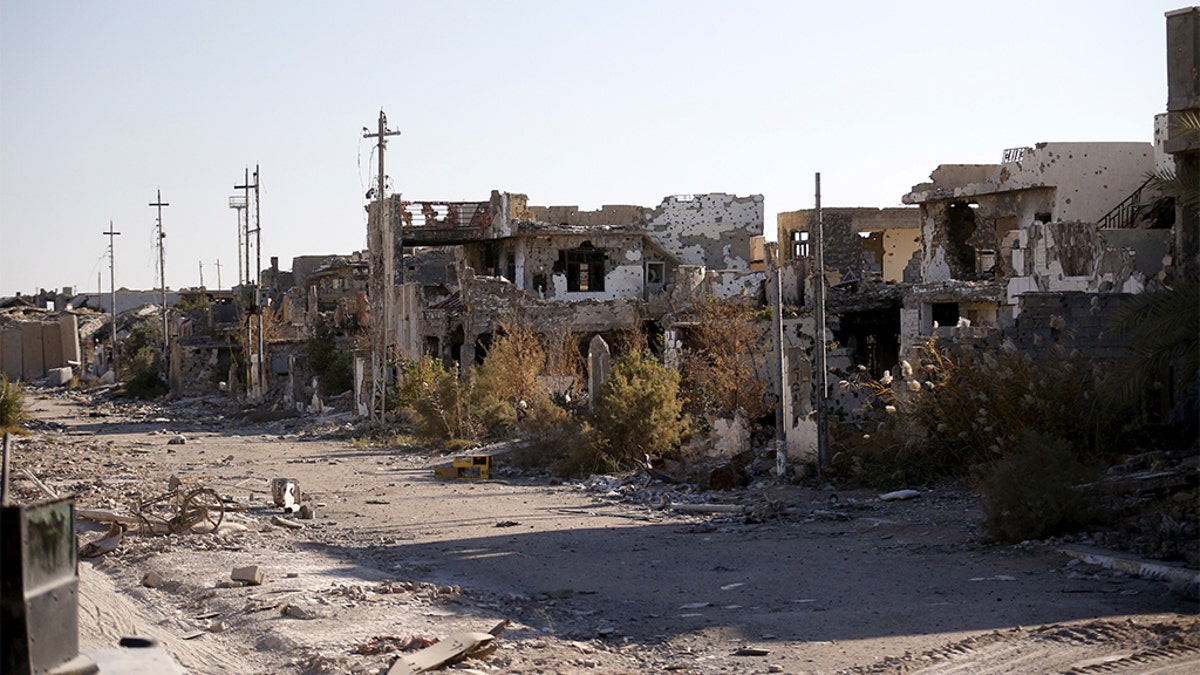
<point x="1125" y="214"/>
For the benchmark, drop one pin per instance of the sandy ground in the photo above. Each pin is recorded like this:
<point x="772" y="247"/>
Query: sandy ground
<point x="604" y="575"/>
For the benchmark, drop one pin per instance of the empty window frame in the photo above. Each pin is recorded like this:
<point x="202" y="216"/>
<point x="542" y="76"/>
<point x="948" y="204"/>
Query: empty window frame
<point x="584" y="267"/>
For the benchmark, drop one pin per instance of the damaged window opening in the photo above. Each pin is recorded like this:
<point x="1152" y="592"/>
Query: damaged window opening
<point x="584" y="268"/>
<point x="960" y="225"/>
<point x="987" y="260"/>
<point x="945" y="314"/>
<point x="800" y="244"/>
<point x="656" y="272"/>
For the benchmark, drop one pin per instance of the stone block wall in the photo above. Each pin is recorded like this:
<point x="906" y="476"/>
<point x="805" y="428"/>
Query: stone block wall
<point x="1072" y="320"/>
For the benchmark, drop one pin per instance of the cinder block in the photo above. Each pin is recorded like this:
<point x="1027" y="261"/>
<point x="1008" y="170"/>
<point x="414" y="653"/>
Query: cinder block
<point x="57" y="377"/>
<point x="251" y="575"/>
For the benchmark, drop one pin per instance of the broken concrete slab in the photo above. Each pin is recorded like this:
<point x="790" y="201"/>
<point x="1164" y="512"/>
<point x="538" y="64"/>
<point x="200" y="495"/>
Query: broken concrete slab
<point x="251" y="575"/>
<point x="59" y="377"/>
<point x="453" y="647"/>
<point x="105" y="544"/>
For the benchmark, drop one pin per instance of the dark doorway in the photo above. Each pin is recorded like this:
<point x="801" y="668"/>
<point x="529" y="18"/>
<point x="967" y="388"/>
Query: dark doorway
<point x="873" y="338"/>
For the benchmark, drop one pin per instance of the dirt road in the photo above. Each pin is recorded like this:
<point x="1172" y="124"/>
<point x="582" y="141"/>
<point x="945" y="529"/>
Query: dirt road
<point x="599" y="576"/>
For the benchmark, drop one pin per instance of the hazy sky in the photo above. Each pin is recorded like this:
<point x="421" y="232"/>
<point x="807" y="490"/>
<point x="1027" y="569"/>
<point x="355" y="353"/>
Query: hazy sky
<point x="570" y="102"/>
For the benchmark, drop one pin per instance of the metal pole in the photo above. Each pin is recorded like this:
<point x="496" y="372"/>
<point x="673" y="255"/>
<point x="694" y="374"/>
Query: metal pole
<point x="112" y="289"/>
<point x="4" y="474"/>
<point x="780" y="414"/>
<point x="262" y="369"/>
<point x="162" y="270"/>
<point x="251" y="370"/>
<point x="822" y="341"/>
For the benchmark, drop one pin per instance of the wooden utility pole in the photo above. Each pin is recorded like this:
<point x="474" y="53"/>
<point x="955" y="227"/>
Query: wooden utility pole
<point x="162" y="272"/>
<point x="218" y="274"/>
<point x="383" y="269"/>
<point x="112" y="299"/>
<point x="822" y="341"/>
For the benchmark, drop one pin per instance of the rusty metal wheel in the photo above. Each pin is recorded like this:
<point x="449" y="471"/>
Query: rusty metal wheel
<point x="202" y="505"/>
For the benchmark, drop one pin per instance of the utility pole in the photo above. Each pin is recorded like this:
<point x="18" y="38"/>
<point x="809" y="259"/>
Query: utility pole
<point x="162" y="271"/>
<point x="262" y="357"/>
<point x="218" y="274"/>
<point x="254" y="374"/>
<point x="781" y="418"/>
<point x="112" y="299"/>
<point x="384" y="277"/>
<point x="822" y="364"/>
<point x="201" y="274"/>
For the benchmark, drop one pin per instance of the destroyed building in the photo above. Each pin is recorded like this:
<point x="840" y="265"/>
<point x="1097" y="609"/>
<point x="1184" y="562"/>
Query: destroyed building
<point x="1034" y="252"/>
<point x="1052" y="218"/>
<point x="597" y="272"/>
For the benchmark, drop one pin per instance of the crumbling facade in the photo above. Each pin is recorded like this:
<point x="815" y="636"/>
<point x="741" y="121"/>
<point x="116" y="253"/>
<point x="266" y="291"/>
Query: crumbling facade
<point x="596" y="272"/>
<point x="1052" y="218"/>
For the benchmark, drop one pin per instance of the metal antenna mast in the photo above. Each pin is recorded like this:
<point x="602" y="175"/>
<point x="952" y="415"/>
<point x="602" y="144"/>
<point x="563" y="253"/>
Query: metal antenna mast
<point x="112" y="299"/>
<point x="162" y="271"/>
<point x="239" y="204"/>
<point x="383" y="277"/>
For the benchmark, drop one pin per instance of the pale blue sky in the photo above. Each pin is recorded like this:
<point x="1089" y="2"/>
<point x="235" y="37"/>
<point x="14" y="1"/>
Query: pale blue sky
<point x="587" y="103"/>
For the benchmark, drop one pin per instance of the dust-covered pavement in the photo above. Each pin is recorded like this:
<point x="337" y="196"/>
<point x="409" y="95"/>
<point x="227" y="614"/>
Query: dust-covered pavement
<point x="598" y="576"/>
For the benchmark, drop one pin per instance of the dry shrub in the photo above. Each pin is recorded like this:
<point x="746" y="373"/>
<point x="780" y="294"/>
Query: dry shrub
<point x="503" y="395"/>
<point x="639" y="411"/>
<point x="12" y="404"/>
<point x="560" y="441"/>
<point x="1029" y="493"/>
<point x="961" y="407"/>
<point x="565" y="361"/>
<point x="442" y="405"/>
<point x="720" y="371"/>
<point x="510" y="371"/>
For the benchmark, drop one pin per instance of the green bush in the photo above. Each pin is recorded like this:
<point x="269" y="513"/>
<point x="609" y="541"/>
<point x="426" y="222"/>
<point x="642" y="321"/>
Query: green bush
<point x="12" y="404"/>
<point x="639" y="410"/>
<point x="333" y="367"/>
<point x="141" y="360"/>
<point x="1029" y="493"/>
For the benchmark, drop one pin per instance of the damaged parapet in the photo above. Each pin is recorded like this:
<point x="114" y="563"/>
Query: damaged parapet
<point x="561" y="267"/>
<point x="859" y="243"/>
<point x="974" y="217"/>
<point x="562" y="252"/>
